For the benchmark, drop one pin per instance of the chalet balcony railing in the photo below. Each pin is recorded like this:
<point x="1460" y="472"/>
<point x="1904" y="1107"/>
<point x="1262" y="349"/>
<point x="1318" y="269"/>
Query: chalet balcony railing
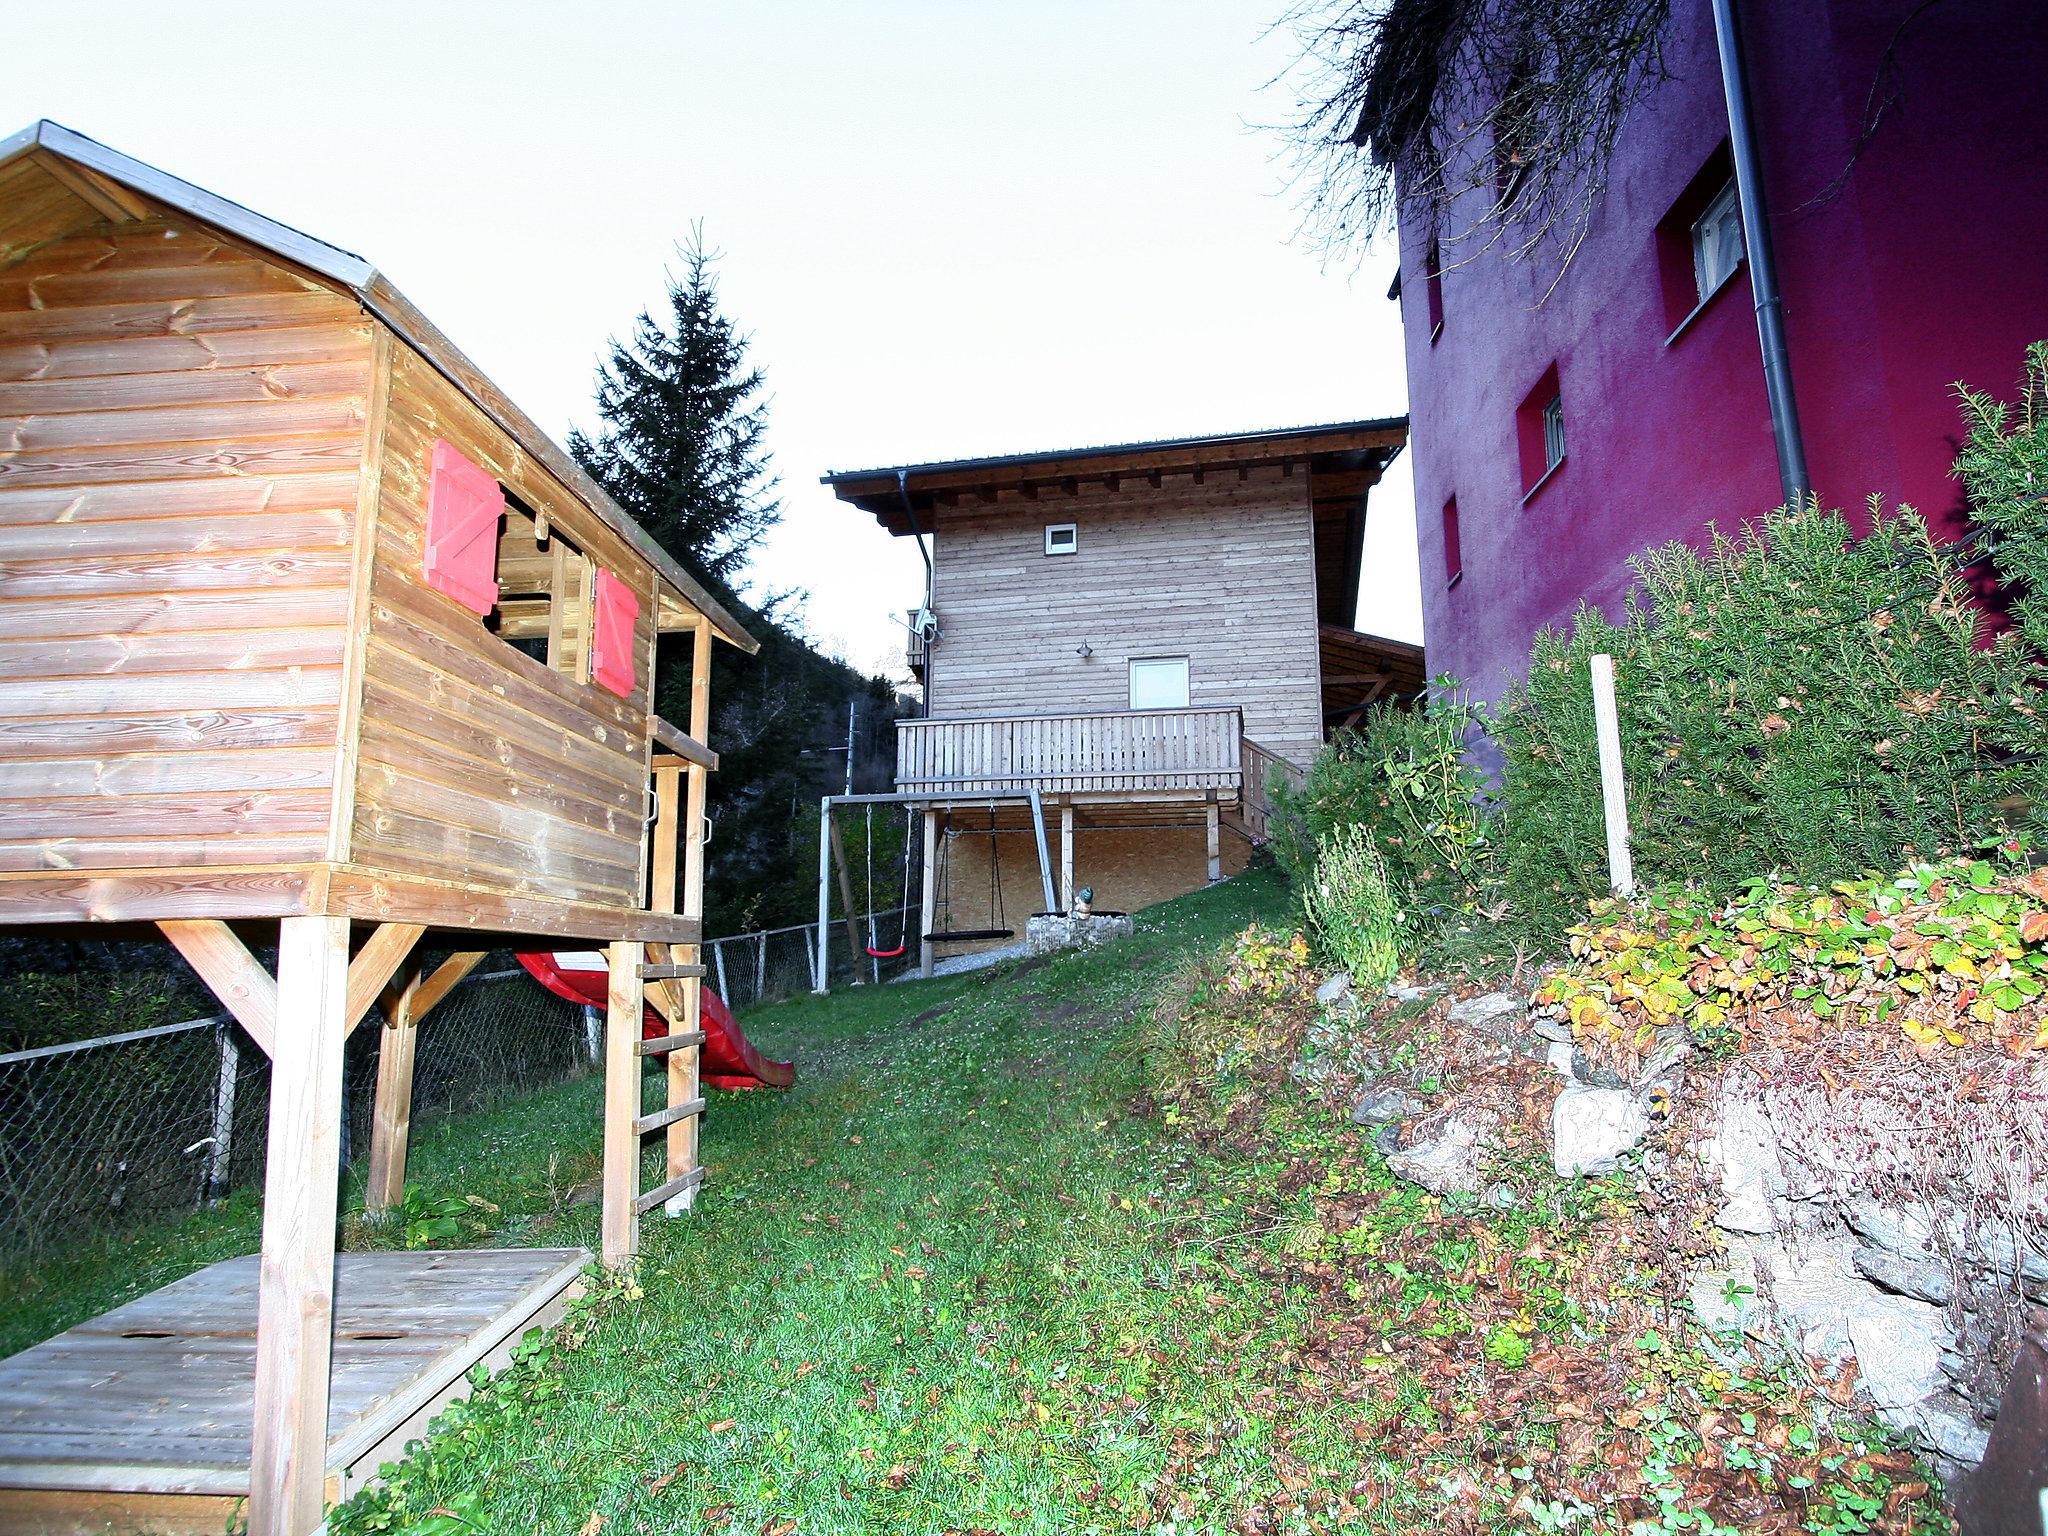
<point x="1128" y="750"/>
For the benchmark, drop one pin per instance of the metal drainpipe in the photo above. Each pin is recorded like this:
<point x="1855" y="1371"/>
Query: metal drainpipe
<point x="1763" y="266"/>
<point x="924" y="706"/>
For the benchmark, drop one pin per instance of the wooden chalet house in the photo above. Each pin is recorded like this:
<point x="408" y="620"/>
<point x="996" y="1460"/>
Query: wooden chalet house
<point x="310" y="638"/>
<point x="1141" y="634"/>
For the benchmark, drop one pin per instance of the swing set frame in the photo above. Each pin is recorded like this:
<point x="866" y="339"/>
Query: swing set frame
<point x="832" y="858"/>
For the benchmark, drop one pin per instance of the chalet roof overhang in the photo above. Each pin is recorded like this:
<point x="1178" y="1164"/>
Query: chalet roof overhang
<point x="86" y="182"/>
<point x="1358" y="448"/>
<point x="1360" y="671"/>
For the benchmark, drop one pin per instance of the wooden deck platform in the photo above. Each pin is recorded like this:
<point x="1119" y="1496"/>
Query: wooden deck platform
<point x="140" y="1420"/>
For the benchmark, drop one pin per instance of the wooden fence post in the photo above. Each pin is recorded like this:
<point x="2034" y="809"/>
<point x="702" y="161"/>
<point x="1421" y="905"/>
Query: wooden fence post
<point x="1621" y="872"/>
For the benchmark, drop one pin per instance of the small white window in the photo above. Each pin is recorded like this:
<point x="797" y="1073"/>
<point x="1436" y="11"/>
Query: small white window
<point x="1061" y="539"/>
<point x="1553" y="432"/>
<point x="1161" y="683"/>
<point x="1716" y="242"/>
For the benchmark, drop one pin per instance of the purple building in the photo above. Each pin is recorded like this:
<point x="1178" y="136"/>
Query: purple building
<point x="1559" y="431"/>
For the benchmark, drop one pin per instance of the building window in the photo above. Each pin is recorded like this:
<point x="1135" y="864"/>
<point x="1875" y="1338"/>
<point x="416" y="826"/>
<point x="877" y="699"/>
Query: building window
<point x="1699" y="242"/>
<point x="1061" y="538"/>
<point x="546" y="588"/>
<point x="1553" y="433"/>
<point x="1716" y="243"/>
<point x="1454" y="551"/>
<point x="1160" y="682"/>
<point x="1539" y="431"/>
<point x="1433" y="288"/>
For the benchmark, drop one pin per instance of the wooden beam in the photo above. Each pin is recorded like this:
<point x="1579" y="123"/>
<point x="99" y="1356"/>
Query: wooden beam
<point x="377" y="895"/>
<point x="383" y="952"/>
<point x="224" y="963"/>
<point x="623" y="1000"/>
<point x="109" y="199"/>
<point x="1213" y="827"/>
<point x="295" y="1306"/>
<point x="689" y="748"/>
<point x="1067" y="857"/>
<point x="685" y="1065"/>
<point x="391" y="1122"/>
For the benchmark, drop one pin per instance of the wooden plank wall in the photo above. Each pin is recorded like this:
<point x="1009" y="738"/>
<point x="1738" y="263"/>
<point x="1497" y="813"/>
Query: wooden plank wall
<point x="477" y="762"/>
<point x="181" y="430"/>
<point x="1221" y="572"/>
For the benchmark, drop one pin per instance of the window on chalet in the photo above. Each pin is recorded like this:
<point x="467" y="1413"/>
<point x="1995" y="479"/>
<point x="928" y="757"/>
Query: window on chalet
<point x="1699" y="242"/>
<point x="1539" y="431"/>
<point x="1159" y="682"/>
<point x="545" y="592"/>
<point x="1454" y="551"/>
<point x="1061" y="538"/>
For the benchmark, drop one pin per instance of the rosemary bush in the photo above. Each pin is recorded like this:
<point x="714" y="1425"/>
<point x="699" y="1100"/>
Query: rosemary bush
<point x="1352" y="910"/>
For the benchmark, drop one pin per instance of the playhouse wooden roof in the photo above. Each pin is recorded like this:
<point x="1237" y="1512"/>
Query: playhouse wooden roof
<point x="54" y="181"/>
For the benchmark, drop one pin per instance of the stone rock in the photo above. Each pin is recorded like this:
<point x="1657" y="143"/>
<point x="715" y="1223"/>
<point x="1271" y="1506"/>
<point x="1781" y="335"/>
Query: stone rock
<point x="1920" y="1278"/>
<point x="1944" y="1422"/>
<point x="1334" y="991"/>
<point x="1586" y="1071"/>
<point x="1590" y="1129"/>
<point x="1408" y="994"/>
<point x="1448" y="1159"/>
<point x="1045" y="932"/>
<point x="1555" y="1030"/>
<point x="1379" y="1105"/>
<point x="1498" y="1014"/>
<point x="1745" y="1146"/>
<point x="1387" y="1138"/>
<point x="1815" y="1290"/>
<point x="1557" y="1055"/>
<point x="1674" y="1044"/>
<point x="1898" y="1345"/>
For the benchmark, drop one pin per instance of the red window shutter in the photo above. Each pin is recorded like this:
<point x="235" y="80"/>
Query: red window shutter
<point x="464" y="505"/>
<point x="615" y="610"/>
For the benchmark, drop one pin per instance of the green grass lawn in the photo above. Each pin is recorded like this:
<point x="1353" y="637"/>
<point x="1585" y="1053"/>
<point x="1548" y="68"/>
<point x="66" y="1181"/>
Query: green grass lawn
<point x="948" y="1282"/>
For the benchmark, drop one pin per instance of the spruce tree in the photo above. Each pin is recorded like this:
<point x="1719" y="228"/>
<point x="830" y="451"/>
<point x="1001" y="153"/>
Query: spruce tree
<point x="681" y="445"/>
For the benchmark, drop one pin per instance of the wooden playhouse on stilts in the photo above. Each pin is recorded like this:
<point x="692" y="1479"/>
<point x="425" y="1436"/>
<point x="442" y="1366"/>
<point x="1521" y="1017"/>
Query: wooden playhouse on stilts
<point x="309" y="637"/>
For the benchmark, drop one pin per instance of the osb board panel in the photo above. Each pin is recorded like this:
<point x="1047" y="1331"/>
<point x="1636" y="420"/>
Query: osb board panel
<point x="181" y="430"/>
<point x="158" y="1396"/>
<point x="1222" y="572"/>
<point x="476" y="761"/>
<point x="1128" y="869"/>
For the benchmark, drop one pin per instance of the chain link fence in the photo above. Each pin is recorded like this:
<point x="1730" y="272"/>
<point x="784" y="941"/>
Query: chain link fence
<point x="119" y="1129"/>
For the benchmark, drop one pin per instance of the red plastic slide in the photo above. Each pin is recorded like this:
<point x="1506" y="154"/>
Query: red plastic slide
<point x="730" y="1060"/>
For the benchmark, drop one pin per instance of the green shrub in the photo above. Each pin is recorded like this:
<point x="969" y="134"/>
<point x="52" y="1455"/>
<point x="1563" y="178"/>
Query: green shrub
<point x="1351" y="908"/>
<point x="1792" y="701"/>
<point x="1404" y="777"/>
<point x="2004" y="466"/>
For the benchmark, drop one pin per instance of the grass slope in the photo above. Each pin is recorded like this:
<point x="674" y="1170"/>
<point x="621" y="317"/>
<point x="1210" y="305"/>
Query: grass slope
<point x="938" y="1286"/>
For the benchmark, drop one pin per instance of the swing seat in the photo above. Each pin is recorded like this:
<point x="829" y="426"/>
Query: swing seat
<point x="967" y="935"/>
<point x="886" y="954"/>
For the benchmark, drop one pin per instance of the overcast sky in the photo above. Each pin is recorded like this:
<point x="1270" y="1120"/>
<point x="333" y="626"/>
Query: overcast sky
<point x="951" y="229"/>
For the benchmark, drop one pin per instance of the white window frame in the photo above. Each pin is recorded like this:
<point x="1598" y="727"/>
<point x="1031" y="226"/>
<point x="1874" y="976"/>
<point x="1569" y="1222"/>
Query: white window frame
<point x="1717" y="242"/>
<point x="1159" y="669"/>
<point x="1073" y="539"/>
<point x="1553" y="432"/>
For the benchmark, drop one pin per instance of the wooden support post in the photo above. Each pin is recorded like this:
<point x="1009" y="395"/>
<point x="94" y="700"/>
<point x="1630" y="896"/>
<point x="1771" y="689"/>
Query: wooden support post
<point x="405" y="1004"/>
<point x="623" y="1002"/>
<point x="685" y="1066"/>
<point x="928" y="903"/>
<point x="1212" y="822"/>
<point x="1621" y="871"/>
<point x="220" y="1159"/>
<point x="295" y="1306"/>
<point x="856" y="949"/>
<point x="1067" y="857"/>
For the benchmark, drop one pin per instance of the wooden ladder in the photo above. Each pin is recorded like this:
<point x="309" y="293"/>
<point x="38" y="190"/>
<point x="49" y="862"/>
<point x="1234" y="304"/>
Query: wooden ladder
<point x="671" y="977"/>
